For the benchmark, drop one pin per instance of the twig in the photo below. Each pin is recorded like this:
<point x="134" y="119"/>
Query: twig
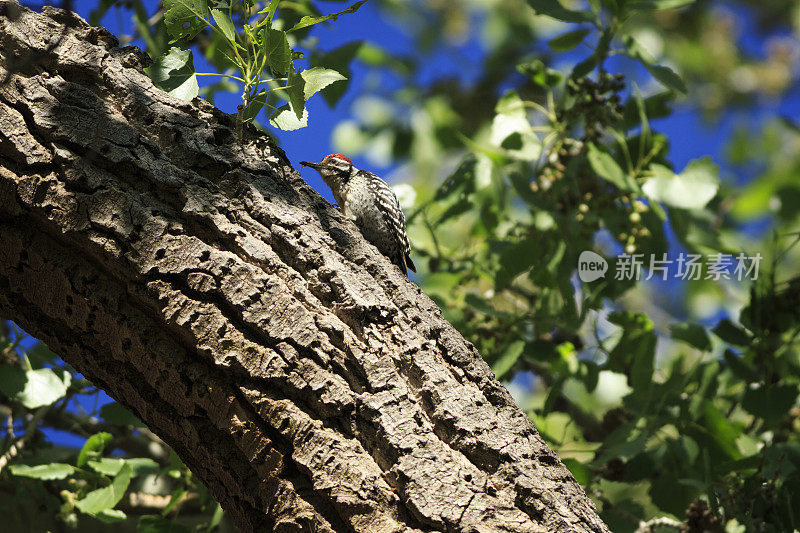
<point x="647" y="527"/>
<point x="144" y="503"/>
<point x="19" y="444"/>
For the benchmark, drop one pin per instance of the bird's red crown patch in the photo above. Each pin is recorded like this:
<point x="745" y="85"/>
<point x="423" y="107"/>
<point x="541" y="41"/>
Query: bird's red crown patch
<point x="340" y="156"/>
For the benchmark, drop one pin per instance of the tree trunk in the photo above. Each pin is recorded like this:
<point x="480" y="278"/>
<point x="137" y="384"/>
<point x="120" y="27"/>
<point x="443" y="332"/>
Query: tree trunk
<point x="200" y="282"/>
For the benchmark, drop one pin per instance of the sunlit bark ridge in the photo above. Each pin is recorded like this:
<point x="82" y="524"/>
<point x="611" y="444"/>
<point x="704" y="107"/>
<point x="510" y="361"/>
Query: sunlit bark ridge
<point x="199" y="281"/>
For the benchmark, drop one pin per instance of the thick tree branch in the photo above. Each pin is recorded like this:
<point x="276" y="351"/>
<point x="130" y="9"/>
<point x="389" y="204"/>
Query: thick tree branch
<point x="199" y="281"/>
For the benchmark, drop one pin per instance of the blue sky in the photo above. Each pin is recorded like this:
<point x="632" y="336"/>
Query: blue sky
<point x="690" y="136"/>
<point x="314" y="142"/>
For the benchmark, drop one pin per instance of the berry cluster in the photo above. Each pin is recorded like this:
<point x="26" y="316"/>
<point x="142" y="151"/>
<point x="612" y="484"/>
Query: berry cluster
<point x="566" y="179"/>
<point x="557" y="160"/>
<point x="596" y="102"/>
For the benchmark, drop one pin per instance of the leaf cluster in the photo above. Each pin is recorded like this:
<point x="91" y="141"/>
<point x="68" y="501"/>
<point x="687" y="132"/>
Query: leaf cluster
<point x="693" y="421"/>
<point x="254" y="48"/>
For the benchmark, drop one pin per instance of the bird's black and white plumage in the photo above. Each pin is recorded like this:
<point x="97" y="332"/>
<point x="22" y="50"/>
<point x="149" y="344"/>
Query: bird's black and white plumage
<point x="371" y="204"/>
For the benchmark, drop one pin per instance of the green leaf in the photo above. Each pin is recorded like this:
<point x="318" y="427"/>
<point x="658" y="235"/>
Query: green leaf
<point x="636" y="50"/>
<point x="279" y="55"/>
<point x="506" y="361"/>
<point x="624" y="443"/>
<point x="721" y="429"/>
<point x="484" y="306"/>
<point x="271" y="9"/>
<point x="338" y="59"/>
<point x="175" y="497"/>
<point x="109" y="466"/>
<point x="174" y="73"/>
<point x="692" y="334"/>
<point x="582" y="473"/>
<point x="318" y="78"/>
<point x="296" y="90"/>
<point x="641" y="109"/>
<point x="643" y="362"/>
<point x="285" y="118"/>
<point x="554" y="9"/>
<point x="634" y="354"/>
<point x="105" y="498"/>
<point x="652" y="107"/>
<point x="660" y="4"/>
<point x="663" y="74"/>
<point x="691" y="189"/>
<point x="754" y="199"/>
<point x="255" y="106"/>
<point x="93" y="447"/>
<point x="540" y="74"/>
<point x="516" y="259"/>
<point x="668" y="494"/>
<point x="47" y="472"/>
<point x="310" y="21"/>
<point x="770" y="402"/>
<point x="32" y="388"/>
<point x="115" y="413"/>
<point x="589" y="373"/>
<point x="667" y="77"/>
<point x="185" y="18"/>
<point x="511" y="130"/>
<point x="156" y="524"/>
<point x="556" y="390"/>
<point x="456" y="209"/>
<point x="696" y="228"/>
<point x="608" y="169"/>
<point x="462" y="180"/>
<point x="511" y="104"/>
<point x="568" y="41"/>
<point x="216" y="518"/>
<point x="142" y="466"/>
<point x="40" y="355"/>
<point x="584" y="67"/>
<point x="225" y="24"/>
<point x="111" y="516"/>
<point x="740" y="368"/>
<point x="790" y="124"/>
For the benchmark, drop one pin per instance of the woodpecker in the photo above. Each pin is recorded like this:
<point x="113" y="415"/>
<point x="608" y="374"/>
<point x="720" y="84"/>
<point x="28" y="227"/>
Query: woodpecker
<point x="371" y="204"/>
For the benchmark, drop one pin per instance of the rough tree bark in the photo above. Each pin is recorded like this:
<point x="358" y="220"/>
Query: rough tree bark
<point x="200" y="282"/>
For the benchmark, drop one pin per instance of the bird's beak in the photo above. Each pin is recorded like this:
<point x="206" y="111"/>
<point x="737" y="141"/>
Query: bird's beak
<point x="315" y="166"/>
